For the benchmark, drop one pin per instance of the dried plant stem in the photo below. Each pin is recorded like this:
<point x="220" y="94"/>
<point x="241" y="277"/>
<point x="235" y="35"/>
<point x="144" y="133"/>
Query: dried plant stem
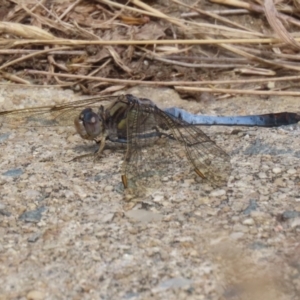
<point x="190" y="65"/>
<point x="167" y="83"/>
<point x="14" y="78"/>
<point x="223" y="12"/>
<point x="53" y="51"/>
<point x="23" y="58"/>
<point x="236" y="91"/>
<point x="66" y="42"/>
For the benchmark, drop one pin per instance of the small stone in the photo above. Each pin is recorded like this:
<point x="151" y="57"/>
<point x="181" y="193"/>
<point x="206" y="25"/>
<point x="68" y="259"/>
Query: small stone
<point x="251" y="207"/>
<point x="259" y="216"/>
<point x="218" y="193"/>
<point x="204" y="200"/>
<point x="276" y="170"/>
<point x="240" y="228"/>
<point x="13" y="172"/>
<point x="177" y="282"/>
<point x="262" y="175"/>
<point x="108" y="188"/>
<point x="4" y="137"/>
<point x="225" y="209"/>
<point x="34" y="237"/>
<point x="158" y="198"/>
<point x="144" y="216"/>
<point x="35" y="295"/>
<point x="295" y="223"/>
<point x="211" y="212"/>
<point x="291" y="171"/>
<point x="290" y="214"/>
<point x="265" y="234"/>
<point x="33" y="216"/>
<point x="108" y="218"/>
<point x="237" y="235"/>
<point x="258" y="245"/>
<point x="131" y="295"/>
<point x="248" y="222"/>
<point x="280" y="182"/>
<point x="5" y="212"/>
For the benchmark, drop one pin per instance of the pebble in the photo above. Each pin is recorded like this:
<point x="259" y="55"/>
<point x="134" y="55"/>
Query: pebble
<point x="108" y="188"/>
<point x="240" y="228"/>
<point x="248" y="222"/>
<point x="218" y="193"/>
<point x="108" y="218"/>
<point x="291" y="171"/>
<point x="35" y="295"/>
<point x="131" y="295"/>
<point x="237" y="235"/>
<point x="276" y="170"/>
<point x="259" y="216"/>
<point x="211" y="212"/>
<point x="4" y="137"/>
<point x="5" y="212"/>
<point x="251" y="207"/>
<point x="177" y="282"/>
<point x="143" y="216"/>
<point x="13" y="172"/>
<point x="204" y="200"/>
<point x="34" y="237"/>
<point x="262" y="175"/>
<point x="258" y="245"/>
<point x="290" y="214"/>
<point x="280" y="182"/>
<point x="235" y="219"/>
<point x="158" y="198"/>
<point x="295" y="223"/>
<point x="33" y="216"/>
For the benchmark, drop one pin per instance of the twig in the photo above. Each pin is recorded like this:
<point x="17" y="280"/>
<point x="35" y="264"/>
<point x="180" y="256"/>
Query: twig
<point x="188" y="65"/>
<point x="223" y="12"/>
<point x="68" y="42"/>
<point x="29" y="56"/>
<point x="169" y="83"/>
<point x="14" y="78"/>
<point x="52" y="51"/>
<point x="235" y="91"/>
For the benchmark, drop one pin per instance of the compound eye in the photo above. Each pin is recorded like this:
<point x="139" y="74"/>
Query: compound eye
<point x="91" y="122"/>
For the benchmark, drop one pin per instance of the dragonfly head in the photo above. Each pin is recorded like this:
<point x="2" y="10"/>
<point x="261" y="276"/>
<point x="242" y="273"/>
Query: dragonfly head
<point x="89" y="125"/>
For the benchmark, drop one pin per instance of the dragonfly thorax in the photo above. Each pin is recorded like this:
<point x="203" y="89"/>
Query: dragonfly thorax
<point x="89" y="125"/>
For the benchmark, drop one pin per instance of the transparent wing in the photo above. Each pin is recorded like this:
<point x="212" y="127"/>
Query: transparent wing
<point x="58" y="115"/>
<point x="174" y="147"/>
<point x="209" y="161"/>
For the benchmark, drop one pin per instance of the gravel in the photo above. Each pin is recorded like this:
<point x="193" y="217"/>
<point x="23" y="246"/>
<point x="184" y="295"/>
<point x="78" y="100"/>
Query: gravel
<point x="68" y="231"/>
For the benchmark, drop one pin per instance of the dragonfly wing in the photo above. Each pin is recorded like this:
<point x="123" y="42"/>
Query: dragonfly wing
<point x="174" y="146"/>
<point x="209" y="160"/>
<point x="145" y="160"/>
<point x="58" y="115"/>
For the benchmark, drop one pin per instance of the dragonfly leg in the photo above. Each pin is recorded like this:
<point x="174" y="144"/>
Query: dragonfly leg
<point x="199" y="173"/>
<point x="160" y="134"/>
<point x="99" y="152"/>
<point x="124" y="181"/>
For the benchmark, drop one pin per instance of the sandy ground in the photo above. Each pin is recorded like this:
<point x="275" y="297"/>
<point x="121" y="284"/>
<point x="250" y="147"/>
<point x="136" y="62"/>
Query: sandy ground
<point x="66" y="231"/>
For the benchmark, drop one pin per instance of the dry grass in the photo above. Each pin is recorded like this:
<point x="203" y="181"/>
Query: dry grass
<point x="103" y="46"/>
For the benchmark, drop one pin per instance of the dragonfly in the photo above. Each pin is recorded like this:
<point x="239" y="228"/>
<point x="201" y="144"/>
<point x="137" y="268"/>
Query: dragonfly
<point x="156" y="141"/>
